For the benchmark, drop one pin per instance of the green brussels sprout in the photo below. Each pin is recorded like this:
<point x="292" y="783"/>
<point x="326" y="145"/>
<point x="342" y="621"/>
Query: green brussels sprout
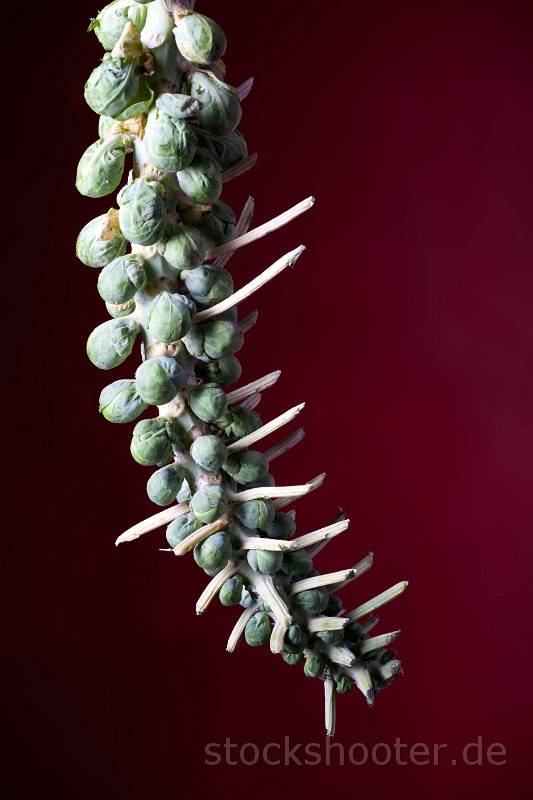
<point x="231" y="591"/>
<point x="164" y="485"/>
<point x="112" y="342"/>
<point x="209" y="504"/>
<point x="226" y="150"/>
<point x="185" y="248"/>
<point x="170" y="143"/>
<point x="334" y="606"/>
<point x="101" y="240"/>
<point x="120" y="402"/>
<point x="214" y="552"/>
<point x="295" y="640"/>
<point x="101" y="166"/>
<point x="202" y="179"/>
<point x="223" y="371"/>
<point x="209" y="452"/>
<point x="297" y="564"/>
<point x="142" y="212"/>
<point x="313" y="601"/>
<point x="121" y="279"/>
<point x="217" y="227"/>
<point x="168" y="317"/>
<point x="178" y="106"/>
<point x="208" y="284"/>
<point x="221" y="110"/>
<point x="344" y="685"/>
<point x="292" y="658"/>
<point x="264" y="606"/>
<point x="314" y="666"/>
<point x="117" y="312"/>
<point x="255" y="513"/>
<point x="352" y="633"/>
<point x="208" y="402"/>
<point x="180" y="528"/>
<point x="282" y="526"/>
<point x="265" y="561"/>
<point x="257" y="630"/>
<point x="199" y="38"/>
<point x="330" y="637"/>
<point x="246" y="466"/>
<point x="221" y="338"/>
<point x="109" y="23"/>
<point x="159" y="379"/>
<point x="239" y="421"/>
<point x="151" y="445"/>
<point x="117" y="89"/>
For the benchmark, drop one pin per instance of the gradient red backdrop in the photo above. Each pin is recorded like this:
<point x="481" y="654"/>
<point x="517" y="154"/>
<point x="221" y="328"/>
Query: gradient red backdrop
<point x="406" y="328"/>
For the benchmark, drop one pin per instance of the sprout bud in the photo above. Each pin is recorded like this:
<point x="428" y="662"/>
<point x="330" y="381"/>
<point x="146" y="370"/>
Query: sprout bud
<point x="101" y="166"/>
<point x="159" y="379"/>
<point x="170" y="143"/>
<point x="334" y="606"/>
<point x="185" y="248"/>
<point x="163" y="485"/>
<point x="221" y="110"/>
<point x="223" y="371"/>
<point x="101" y="240"/>
<point x="207" y="402"/>
<point x="117" y="89"/>
<point x="180" y="528"/>
<point x="282" y="526"/>
<point x="313" y="601"/>
<point x="151" y="443"/>
<point x="121" y="279"/>
<point x="213" y="553"/>
<point x="110" y="21"/>
<point x="209" y="504"/>
<point x="292" y="658"/>
<point x="265" y="561"/>
<point x="208" y="284"/>
<point x="231" y="591"/>
<point x="297" y="564"/>
<point x="295" y="640"/>
<point x="112" y="342"/>
<point x="199" y="39"/>
<point x="344" y="685"/>
<point x="258" y="629"/>
<point x="246" y="466"/>
<point x="209" y="452"/>
<point x="256" y="513"/>
<point x="201" y="180"/>
<point x="120" y="402"/>
<point x="178" y="106"/>
<point x="239" y="421"/>
<point x="142" y="211"/>
<point x="168" y="317"/>
<point x="314" y="666"/>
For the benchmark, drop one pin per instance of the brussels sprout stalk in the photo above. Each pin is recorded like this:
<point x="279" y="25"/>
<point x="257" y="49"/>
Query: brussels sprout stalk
<point x="160" y="92"/>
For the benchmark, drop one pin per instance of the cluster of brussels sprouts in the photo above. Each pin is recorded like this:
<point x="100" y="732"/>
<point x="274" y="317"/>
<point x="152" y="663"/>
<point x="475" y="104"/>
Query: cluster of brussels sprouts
<point x="161" y="95"/>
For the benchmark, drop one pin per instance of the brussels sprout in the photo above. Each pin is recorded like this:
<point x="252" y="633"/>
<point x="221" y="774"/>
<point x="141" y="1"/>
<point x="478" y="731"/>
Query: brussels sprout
<point x="314" y="666"/>
<point x="168" y="317"/>
<point x="199" y="38"/>
<point x="180" y="528"/>
<point x="221" y="111"/>
<point x="295" y="640"/>
<point x="314" y="601"/>
<point x="255" y="513"/>
<point x="101" y="240"/>
<point x="217" y="227"/>
<point x="210" y="503"/>
<point x="117" y="89"/>
<point x="178" y="106"/>
<point x="121" y="279"/>
<point x="208" y="284"/>
<point x="265" y="561"/>
<point x="344" y="685"/>
<point x="257" y="630"/>
<point x="223" y="371"/>
<point x="109" y="23"/>
<point x="151" y="445"/>
<point x="266" y="480"/>
<point x="297" y="564"/>
<point x="111" y="342"/>
<point x="120" y="402"/>
<point x="239" y="421"/>
<point x="207" y="402"/>
<point x="123" y="310"/>
<point x="142" y="212"/>
<point x="231" y="591"/>
<point x="264" y="606"/>
<point x="101" y="166"/>
<point x="170" y="143"/>
<point x="185" y="248"/>
<point x="226" y="150"/>
<point x="221" y="338"/>
<point x="209" y="452"/>
<point x="214" y="552"/>
<point x="352" y="633"/>
<point x="334" y="606"/>
<point x="164" y="484"/>
<point x="159" y="379"/>
<point x="246" y="466"/>
<point x="330" y="637"/>
<point x="292" y="658"/>
<point x="202" y="179"/>
<point x="282" y="526"/>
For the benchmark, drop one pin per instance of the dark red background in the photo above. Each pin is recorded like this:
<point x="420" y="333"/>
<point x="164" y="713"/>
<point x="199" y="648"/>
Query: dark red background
<point x="407" y="329"/>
